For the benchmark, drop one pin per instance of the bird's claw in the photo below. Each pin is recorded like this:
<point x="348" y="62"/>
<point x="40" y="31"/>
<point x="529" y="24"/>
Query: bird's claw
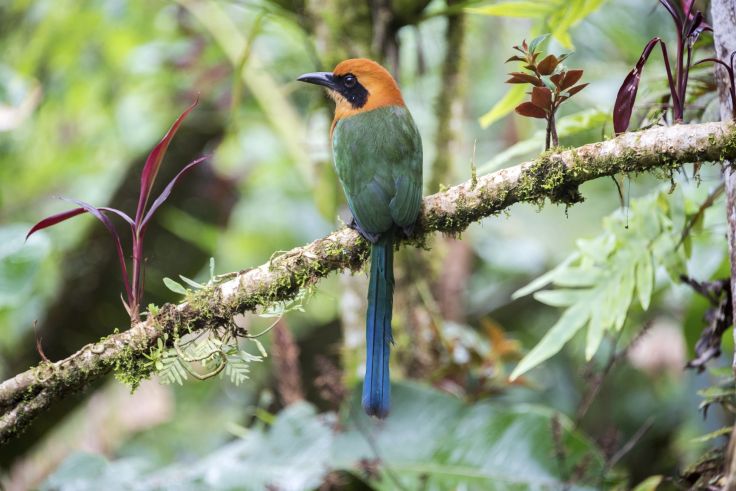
<point x="370" y="237"/>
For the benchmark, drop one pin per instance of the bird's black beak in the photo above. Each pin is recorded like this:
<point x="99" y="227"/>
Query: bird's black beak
<point x="319" y="78"/>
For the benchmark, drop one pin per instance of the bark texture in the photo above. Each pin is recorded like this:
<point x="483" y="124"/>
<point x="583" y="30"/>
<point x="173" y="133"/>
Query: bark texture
<point x="723" y="14"/>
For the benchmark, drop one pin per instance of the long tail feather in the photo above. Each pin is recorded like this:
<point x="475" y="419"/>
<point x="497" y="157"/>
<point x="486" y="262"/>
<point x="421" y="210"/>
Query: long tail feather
<point x="377" y="384"/>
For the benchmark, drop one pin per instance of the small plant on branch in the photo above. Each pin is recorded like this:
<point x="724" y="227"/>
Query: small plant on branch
<point x="689" y="28"/>
<point x="552" y="84"/>
<point x="132" y="283"/>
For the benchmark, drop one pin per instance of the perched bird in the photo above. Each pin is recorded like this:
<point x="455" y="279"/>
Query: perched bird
<point x="378" y="157"/>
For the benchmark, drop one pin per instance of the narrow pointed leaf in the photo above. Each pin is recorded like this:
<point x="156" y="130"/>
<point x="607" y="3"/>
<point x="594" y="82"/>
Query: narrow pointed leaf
<point x="645" y="280"/>
<point x="153" y="163"/>
<point x="503" y="107"/>
<point x="519" y="77"/>
<point x="571" y="92"/>
<point x="546" y="278"/>
<point x="54" y="219"/>
<point x="594" y="335"/>
<point x="564" y="329"/>
<point x="523" y="9"/>
<point x="98" y="214"/>
<point x="675" y="11"/>
<point x="515" y="58"/>
<point x="626" y="96"/>
<point x="530" y="110"/>
<point x="537" y="41"/>
<point x="119" y="213"/>
<point x="713" y="60"/>
<point x="556" y="79"/>
<point x="169" y="187"/>
<point x="560" y="297"/>
<point x="191" y="282"/>
<point x="174" y="286"/>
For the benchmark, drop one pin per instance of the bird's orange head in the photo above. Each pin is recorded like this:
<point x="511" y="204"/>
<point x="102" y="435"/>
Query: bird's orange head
<point x="357" y="85"/>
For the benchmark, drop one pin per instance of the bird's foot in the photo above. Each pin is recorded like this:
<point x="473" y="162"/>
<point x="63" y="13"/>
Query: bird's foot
<point x="370" y="237"/>
<point x="408" y="231"/>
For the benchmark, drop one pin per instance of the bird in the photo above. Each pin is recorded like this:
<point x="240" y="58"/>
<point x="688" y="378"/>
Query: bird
<point x="377" y="153"/>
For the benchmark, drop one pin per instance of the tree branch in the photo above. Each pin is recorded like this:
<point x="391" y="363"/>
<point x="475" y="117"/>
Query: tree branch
<point x="552" y="175"/>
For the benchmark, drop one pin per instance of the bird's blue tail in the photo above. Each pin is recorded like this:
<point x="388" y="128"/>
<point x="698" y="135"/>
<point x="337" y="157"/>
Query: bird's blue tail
<point x="377" y="385"/>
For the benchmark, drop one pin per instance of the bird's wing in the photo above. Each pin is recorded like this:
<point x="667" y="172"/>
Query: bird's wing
<point x="407" y="171"/>
<point x="378" y="159"/>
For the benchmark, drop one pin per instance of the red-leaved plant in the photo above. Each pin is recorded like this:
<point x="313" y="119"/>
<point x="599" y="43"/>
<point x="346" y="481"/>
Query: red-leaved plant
<point x="552" y="85"/>
<point x="133" y="284"/>
<point x="689" y="27"/>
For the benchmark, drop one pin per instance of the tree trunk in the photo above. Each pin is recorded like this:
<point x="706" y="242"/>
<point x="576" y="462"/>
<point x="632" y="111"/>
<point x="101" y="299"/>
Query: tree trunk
<point x="724" y="34"/>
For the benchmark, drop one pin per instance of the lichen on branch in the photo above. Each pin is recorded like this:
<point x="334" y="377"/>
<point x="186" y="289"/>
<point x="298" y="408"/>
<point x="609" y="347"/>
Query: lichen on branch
<point x="554" y="175"/>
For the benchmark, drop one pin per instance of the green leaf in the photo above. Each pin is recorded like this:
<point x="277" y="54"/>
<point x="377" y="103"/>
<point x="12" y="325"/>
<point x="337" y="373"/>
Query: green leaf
<point x="604" y="274"/>
<point x="174" y="286"/>
<point x="545" y="279"/>
<point x="649" y="484"/>
<point x="645" y="280"/>
<point x="622" y="298"/>
<point x="595" y="334"/>
<point x="559" y="298"/>
<point x="432" y="440"/>
<point x="191" y="282"/>
<point x="260" y="347"/>
<point x="571" y="322"/>
<point x="726" y="430"/>
<point x="172" y="370"/>
<point x="506" y="105"/>
<point x="537" y="41"/>
<point x="529" y="9"/>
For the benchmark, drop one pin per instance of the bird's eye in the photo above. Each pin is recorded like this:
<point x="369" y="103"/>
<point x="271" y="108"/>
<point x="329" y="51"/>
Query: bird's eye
<point x="350" y="81"/>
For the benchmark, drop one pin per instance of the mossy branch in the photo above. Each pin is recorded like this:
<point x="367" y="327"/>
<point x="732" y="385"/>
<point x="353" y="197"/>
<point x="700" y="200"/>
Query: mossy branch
<point x="555" y="175"/>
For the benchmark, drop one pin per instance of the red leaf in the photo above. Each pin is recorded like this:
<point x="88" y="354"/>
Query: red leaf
<point x="523" y="78"/>
<point x="571" y="92"/>
<point x="548" y="65"/>
<point x="97" y="213"/>
<point x="556" y="79"/>
<point x="571" y="78"/>
<point x="153" y="163"/>
<point x="542" y="97"/>
<point x="167" y="190"/>
<point x="713" y="60"/>
<point x="514" y="58"/>
<point x="119" y="213"/>
<point x="530" y="110"/>
<point x="675" y="10"/>
<point x="626" y="96"/>
<point x="54" y="219"/>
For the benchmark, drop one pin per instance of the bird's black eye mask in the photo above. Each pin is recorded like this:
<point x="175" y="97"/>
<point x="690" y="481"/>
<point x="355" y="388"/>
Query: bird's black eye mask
<point x="348" y="86"/>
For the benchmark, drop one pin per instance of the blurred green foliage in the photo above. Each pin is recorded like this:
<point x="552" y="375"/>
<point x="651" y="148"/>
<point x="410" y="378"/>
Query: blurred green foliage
<point x="485" y="446"/>
<point x="88" y="87"/>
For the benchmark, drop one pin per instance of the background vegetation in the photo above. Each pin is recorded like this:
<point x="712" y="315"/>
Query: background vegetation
<point x="87" y="88"/>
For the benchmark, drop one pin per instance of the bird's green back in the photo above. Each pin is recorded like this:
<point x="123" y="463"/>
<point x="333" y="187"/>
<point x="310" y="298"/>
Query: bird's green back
<point x="378" y="158"/>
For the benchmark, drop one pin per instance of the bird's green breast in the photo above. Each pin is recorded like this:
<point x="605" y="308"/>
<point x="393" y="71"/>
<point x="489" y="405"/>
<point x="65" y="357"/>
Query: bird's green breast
<point x="378" y="158"/>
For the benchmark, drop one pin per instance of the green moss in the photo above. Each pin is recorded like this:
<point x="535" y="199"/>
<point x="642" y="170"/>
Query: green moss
<point x="130" y="368"/>
<point x="728" y="145"/>
<point x="548" y="177"/>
